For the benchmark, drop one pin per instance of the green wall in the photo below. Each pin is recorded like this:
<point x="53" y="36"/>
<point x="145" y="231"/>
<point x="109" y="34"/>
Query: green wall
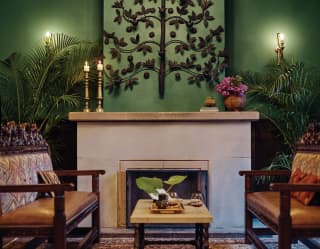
<point x="24" y="23"/>
<point x="251" y="28"/>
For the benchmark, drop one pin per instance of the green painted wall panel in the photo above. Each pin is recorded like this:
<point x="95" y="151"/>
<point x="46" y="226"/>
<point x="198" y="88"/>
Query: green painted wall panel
<point x="251" y="28"/>
<point x="253" y="24"/>
<point x="179" y="95"/>
<point x="23" y="23"/>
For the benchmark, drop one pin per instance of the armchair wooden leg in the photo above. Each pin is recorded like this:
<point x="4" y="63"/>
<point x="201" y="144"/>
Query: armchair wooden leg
<point x="284" y="241"/>
<point x="96" y="224"/>
<point x="248" y="226"/>
<point x="284" y="238"/>
<point x="285" y="223"/>
<point x="60" y="233"/>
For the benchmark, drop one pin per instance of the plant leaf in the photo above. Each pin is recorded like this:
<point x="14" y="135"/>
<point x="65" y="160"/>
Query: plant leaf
<point x="149" y="184"/>
<point x="173" y="180"/>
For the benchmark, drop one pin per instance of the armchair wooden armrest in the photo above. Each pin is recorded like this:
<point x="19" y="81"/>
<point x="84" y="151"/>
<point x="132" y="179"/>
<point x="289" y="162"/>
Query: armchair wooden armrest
<point x="250" y="174"/>
<point x="265" y="172"/>
<point x="79" y="172"/>
<point x="93" y="173"/>
<point x="289" y="187"/>
<point x="37" y="188"/>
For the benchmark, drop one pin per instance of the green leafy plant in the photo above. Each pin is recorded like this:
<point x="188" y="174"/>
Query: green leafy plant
<point x="151" y="184"/>
<point x="44" y="86"/>
<point x="287" y="95"/>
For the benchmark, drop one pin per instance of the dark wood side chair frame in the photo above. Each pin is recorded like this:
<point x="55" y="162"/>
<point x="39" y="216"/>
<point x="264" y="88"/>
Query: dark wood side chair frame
<point x="283" y="225"/>
<point x="60" y="229"/>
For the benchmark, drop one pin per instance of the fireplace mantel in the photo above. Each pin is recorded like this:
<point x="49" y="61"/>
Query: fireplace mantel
<point x="223" y="139"/>
<point x="162" y="116"/>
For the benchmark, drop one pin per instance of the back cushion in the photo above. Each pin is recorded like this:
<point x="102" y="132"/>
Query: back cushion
<point x="306" y="170"/>
<point x="21" y="169"/>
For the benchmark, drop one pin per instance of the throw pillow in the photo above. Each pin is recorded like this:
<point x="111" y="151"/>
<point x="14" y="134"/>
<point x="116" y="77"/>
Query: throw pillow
<point x="299" y="177"/>
<point x="305" y="170"/>
<point x="49" y="177"/>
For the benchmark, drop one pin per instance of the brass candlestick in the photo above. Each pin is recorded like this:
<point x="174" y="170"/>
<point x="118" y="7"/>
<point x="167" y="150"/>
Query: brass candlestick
<point x="99" y="96"/>
<point x="86" y="70"/>
<point x="86" y="92"/>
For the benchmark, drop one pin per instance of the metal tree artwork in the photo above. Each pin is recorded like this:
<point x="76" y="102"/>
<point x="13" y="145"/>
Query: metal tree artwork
<point x="190" y="49"/>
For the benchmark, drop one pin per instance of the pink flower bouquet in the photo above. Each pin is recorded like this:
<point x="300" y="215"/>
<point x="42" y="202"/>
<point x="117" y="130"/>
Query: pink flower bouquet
<point x="232" y="86"/>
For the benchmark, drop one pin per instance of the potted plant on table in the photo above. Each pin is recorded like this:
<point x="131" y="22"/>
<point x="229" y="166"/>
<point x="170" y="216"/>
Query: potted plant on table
<point x="154" y="185"/>
<point x="233" y="90"/>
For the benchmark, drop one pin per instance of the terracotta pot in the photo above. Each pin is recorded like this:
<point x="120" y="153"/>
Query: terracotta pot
<point x="234" y="103"/>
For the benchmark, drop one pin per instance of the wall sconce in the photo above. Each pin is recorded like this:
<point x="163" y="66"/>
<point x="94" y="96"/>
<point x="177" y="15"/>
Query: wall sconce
<point x="280" y="48"/>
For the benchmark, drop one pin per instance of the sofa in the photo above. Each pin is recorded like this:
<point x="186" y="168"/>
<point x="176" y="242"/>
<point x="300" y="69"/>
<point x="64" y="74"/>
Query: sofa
<point x="32" y="206"/>
<point x="290" y="209"/>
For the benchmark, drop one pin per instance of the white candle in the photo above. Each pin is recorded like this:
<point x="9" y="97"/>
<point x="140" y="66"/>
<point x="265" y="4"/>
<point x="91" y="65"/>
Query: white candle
<point x="86" y="67"/>
<point x="100" y="66"/>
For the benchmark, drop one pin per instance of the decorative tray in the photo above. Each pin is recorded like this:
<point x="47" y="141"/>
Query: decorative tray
<point x="170" y="209"/>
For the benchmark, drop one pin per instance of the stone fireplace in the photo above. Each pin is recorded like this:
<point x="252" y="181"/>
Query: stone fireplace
<point x="220" y="139"/>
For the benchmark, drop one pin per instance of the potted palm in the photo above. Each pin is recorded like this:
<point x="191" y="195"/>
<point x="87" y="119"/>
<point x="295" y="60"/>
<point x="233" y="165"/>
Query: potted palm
<point x="288" y="96"/>
<point x="43" y="86"/>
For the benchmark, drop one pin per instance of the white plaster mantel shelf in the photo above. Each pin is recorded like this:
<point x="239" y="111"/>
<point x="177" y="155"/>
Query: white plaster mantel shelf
<point x="162" y="116"/>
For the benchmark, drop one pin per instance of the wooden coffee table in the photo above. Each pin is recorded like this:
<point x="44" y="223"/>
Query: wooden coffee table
<point x="199" y="216"/>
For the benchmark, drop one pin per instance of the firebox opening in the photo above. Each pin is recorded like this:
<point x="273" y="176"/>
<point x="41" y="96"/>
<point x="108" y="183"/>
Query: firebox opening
<point x="197" y="180"/>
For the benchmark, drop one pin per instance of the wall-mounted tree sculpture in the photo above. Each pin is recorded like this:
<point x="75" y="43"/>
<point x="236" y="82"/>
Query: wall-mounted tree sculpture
<point x="183" y="19"/>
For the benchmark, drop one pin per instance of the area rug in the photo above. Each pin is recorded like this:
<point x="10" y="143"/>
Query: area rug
<point x="127" y="243"/>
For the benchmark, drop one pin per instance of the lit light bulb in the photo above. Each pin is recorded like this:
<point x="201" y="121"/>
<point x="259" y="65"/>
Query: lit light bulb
<point x="100" y="66"/>
<point x="86" y="67"/>
<point x="48" y="34"/>
<point x="281" y="37"/>
<point x="47" y="37"/>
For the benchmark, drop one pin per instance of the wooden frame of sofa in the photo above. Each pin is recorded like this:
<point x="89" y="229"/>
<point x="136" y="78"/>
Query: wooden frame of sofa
<point x="59" y="230"/>
<point x="283" y="227"/>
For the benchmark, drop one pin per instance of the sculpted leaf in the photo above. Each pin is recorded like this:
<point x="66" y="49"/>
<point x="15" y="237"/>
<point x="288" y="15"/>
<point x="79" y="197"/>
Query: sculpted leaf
<point x="135" y="40"/>
<point x="122" y="43"/>
<point x="138" y="2"/>
<point x="138" y="65"/>
<point x="115" y="53"/>
<point x="149" y="23"/>
<point x="202" y="43"/>
<point x="118" y="4"/>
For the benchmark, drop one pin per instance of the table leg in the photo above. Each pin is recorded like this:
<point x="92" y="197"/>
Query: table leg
<point x="201" y="236"/>
<point x="198" y="237"/>
<point x="205" y="236"/>
<point x="139" y="236"/>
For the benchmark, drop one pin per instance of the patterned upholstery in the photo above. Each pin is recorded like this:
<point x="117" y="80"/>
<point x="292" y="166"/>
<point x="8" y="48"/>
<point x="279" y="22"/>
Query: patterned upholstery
<point x="305" y="166"/>
<point x="21" y="169"/>
<point x="306" y="170"/>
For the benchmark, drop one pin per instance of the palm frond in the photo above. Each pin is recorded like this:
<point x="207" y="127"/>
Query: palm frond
<point x="42" y="87"/>
<point x="282" y="161"/>
<point x="286" y="96"/>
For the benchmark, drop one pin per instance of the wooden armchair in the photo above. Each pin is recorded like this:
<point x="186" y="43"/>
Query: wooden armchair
<point x="53" y="216"/>
<point x="282" y="209"/>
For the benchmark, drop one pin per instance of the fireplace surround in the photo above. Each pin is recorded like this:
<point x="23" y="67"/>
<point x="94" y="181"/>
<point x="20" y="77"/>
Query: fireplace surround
<point x="223" y="139"/>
